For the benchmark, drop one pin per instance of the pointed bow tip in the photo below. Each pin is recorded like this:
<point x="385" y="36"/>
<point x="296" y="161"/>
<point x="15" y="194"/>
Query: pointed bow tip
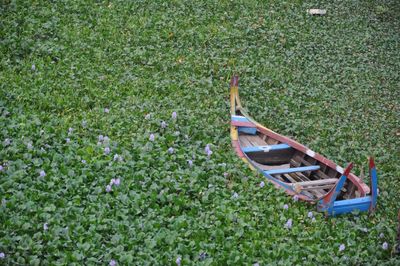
<point x="235" y="81"/>
<point x="348" y="169"/>
<point x="371" y="163"/>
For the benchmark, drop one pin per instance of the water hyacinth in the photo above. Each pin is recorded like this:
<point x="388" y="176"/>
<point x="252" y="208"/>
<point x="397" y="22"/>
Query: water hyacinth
<point x="70" y="130"/>
<point x="226" y="174"/>
<point x="173" y="115"/>
<point x="107" y="150"/>
<point x="310" y="215"/>
<point x="190" y="162"/>
<point x="101" y="138"/>
<point x="67" y="140"/>
<point x="178" y="261"/>
<point x="163" y="124"/>
<point x="235" y="195"/>
<point x="83" y="161"/>
<point x="33" y="67"/>
<point x="147" y="116"/>
<point x="151" y="138"/>
<point x="256" y="264"/>
<point x="45" y="227"/>
<point x="289" y="224"/>
<point x="106" y="110"/>
<point x="385" y="246"/>
<point x="106" y="139"/>
<point x="112" y="263"/>
<point x="313" y="219"/>
<point x="7" y="142"/>
<point x="42" y="173"/>
<point x="84" y="123"/>
<point x="108" y="188"/>
<point x="262" y="184"/>
<point x="29" y="146"/>
<point x="1" y="168"/>
<point x="2" y="255"/>
<point x="171" y="150"/>
<point x="115" y="181"/>
<point x="342" y="247"/>
<point x="285" y="207"/>
<point x="295" y="198"/>
<point x="117" y="157"/>
<point x="381" y="235"/>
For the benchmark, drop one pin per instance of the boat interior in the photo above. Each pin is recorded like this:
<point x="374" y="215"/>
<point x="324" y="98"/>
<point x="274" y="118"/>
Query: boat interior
<point x="293" y="167"/>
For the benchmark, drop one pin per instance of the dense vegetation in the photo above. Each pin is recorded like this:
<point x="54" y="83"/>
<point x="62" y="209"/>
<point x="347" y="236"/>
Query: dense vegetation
<point x="83" y="86"/>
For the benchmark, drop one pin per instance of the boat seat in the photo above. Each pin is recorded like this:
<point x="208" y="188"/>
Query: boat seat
<point x="292" y="170"/>
<point x="266" y="148"/>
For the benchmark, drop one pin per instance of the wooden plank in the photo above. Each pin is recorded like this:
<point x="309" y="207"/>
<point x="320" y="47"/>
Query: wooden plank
<point x="256" y="140"/>
<point x="266" y="148"/>
<point x="319" y="173"/>
<point x="318" y="182"/>
<point x="293" y="170"/>
<point x="270" y="167"/>
<point x="319" y="188"/>
<point x="244" y="142"/>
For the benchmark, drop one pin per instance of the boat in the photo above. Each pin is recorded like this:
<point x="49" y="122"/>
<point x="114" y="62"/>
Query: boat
<point x="300" y="171"/>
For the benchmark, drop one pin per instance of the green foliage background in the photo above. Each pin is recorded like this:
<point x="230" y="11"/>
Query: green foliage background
<point x="330" y="82"/>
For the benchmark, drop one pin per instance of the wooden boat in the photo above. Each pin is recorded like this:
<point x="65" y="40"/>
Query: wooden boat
<point x="297" y="169"/>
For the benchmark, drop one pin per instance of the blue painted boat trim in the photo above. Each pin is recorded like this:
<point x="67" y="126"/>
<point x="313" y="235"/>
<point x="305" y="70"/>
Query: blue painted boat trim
<point x="374" y="187"/>
<point x="239" y="118"/>
<point x="264" y="148"/>
<point x="248" y="130"/>
<point x="347" y="206"/>
<point x="292" y="170"/>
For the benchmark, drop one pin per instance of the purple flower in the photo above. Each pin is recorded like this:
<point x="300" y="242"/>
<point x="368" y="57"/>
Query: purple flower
<point x="171" y="150"/>
<point x="151" y="138"/>
<point x="178" y="260"/>
<point x="106" y="110"/>
<point x="42" y="173"/>
<point x="45" y="227"/>
<point x="226" y="174"/>
<point x="83" y="161"/>
<point x="1" y="168"/>
<point x="163" y="124"/>
<point x="29" y="146"/>
<point x="173" y="115"/>
<point x="342" y="247"/>
<point x="285" y="207"/>
<point x="385" y="246"/>
<point x="381" y="235"/>
<point x="2" y="255"/>
<point x="313" y="219"/>
<point x="295" y="198"/>
<point x="289" y="224"/>
<point x="68" y="140"/>
<point x="115" y="181"/>
<point x="256" y="264"/>
<point x="190" y="162"/>
<point x="101" y="137"/>
<point x="107" y="150"/>
<point x="235" y="195"/>
<point x="147" y="116"/>
<point x="207" y="148"/>
<point x="112" y="263"/>
<point x="84" y="123"/>
<point x="33" y="67"/>
<point x="310" y="215"/>
<point x="262" y="184"/>
<point x="108" y="188"/>
<point x="70" y="130"/>
<point x="106" y="139"/>
<point x="116" y="157"/>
